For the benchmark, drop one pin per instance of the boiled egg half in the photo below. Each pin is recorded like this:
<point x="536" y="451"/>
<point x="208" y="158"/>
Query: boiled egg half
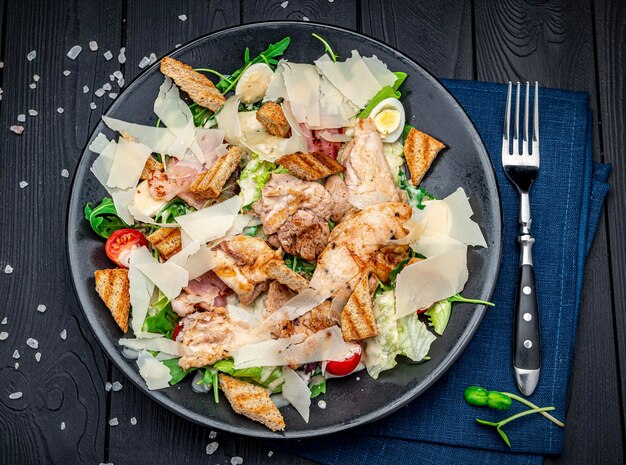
<point x="389" y="118"/>
<point x="253" y="83"/>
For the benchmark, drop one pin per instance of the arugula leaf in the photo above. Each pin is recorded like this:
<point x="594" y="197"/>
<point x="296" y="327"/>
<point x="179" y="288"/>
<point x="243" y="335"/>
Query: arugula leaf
<point x="268" y="56"/>
<point x="327" y="49"/>
<point x="162" y="322"/>
<point x="299" y="265"/>
<point x="383" y="93"/>
<point x="174" y="208"/>
<point x="320" y="388"/>
<point x="417" y="195"/>
<point x="176" y="372"/>
<point x="251" y="230"/>
<point x="103" y="218"/>
<point x="200" y="115"/>
<point x="252" y="374"/>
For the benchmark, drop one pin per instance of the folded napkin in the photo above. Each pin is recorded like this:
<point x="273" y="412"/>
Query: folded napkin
<point x="439" y="427"/>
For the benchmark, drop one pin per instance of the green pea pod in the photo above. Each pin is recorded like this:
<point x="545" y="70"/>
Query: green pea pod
<point x="476" y="395"/>
<point x="498" y="401"/>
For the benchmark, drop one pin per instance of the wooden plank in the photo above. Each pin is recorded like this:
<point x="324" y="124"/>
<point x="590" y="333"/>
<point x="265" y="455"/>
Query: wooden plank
<point x="610" y="24"/>
<point x="553" y="43"/>
<point x="67" y="385"/>
<point x="441" y="42"/>
<point x="339" y="13"/>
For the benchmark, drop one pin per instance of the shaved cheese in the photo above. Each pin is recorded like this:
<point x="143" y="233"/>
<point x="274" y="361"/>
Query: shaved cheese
<point x="122" y="200"/>
<point x="168" y="277"/>
<point x="159" y="344"/>
<point x="209" y="140"/>
<point x="379" y="71"/>
<point x="154" y="372"/>
<point x="335" y="110"/>
<point x="141" y="288"/>
<point x="101" y="167"/>
<point x="228" y="120"/>
<point x="199" y="262"/>
<point x="352" y="77"/>
<point x="415" y="231"/>
<point x="211" y="222"/>
<point x="130" y="158"/>
<point x="144" y="202"/>
<point x="276" y="88"/>
<point x="427" y="281"/>
<point x="298" y="305"/>
<point x="431" y="243"/>
<point x="296" y="391"/>
<point x="99" y="143"/>
<point x="327" y="344"/>
<point x="248" y="122"/>
<point x="302" y="82"/>
<point x="241" y="221"/>
<point x="266" y="353"/>
<point x="334" y="137"/>
<point x="159" y="140"/>
<point x="460" y="226"/>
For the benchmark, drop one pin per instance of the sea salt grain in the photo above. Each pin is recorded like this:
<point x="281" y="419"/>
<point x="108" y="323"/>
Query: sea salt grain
<point x="114" y="422"/>
<point x="153" y="58"/>
<point x="85" y="89"/>
<point x="92" y="106"/>
<point x="321" y="404"/>
<point x="63" y="334"/>
<point x="41" y="308"/>
<point x="117" y="74"/>
<point x="31" y="55"/>
<point x="36" y="78"/>
<point x="284" y="4"/>
<point x="211" y="448"/>
<point x="74" y="52"/>
<point x="4" y="321"/>
<point x="236" y="461"/>
<point x="16" y="354"/>
<point x="112" y="95"/>
<point x="122" y="56"/>
<point x="23" y="184"/>
<point x="108" y="55"/>
<point x="107" y="86"/>
<point x="3" y="335"/>
<point x="270" y="453"/>
<point x="17" y="129"/>
<point x="38" y="356"/>
<point x="133" y="421"/>
<point x="15" y="395"/>
<point x="32" y="85"/>
<point x="1" y="64"/>
<point x="8" y="269"/>
<point x="60" y="110"/>
<point x="116" y="386"/>
<point x="67" y="72"/>
<point x="33" y="112"/>
<point x="212" y="435"/>
<point x="17" y="365"/>
<point x="93" y="46"/>
<point x="21" y="118"/>
<point x="32" y="343"/>
<point x="107" y="386"/>
<point x="65" y="173"/>
<point x="304" y="18"/>
<point x="145" y="61"/>
<point x="62" y="425"/>
<point x="99" y="92"/>
<point x="183" y="18"/>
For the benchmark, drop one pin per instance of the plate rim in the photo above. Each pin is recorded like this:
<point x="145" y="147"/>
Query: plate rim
<point x="447" y="362"/>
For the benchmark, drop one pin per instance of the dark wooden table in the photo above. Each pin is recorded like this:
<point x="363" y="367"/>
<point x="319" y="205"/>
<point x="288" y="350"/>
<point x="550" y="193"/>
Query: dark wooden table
<point x="577" y="45"/>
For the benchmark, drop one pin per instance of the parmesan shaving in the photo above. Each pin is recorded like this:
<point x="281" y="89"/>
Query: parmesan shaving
<point x="302" y="82"/>
<point x="168" y="277"/>
<point x="334" y="137"/>
<point x="199" y="262"/>
<point x="228" y="120"/>
<point x="154" y="372"/>
<point x="276" y="88"/>
<point x="296" y="391"/>
<point x="266" y="353"/>
<point x="380" y="71"/>
<point x="99" y="143"/>
<point x="159" y="344"/>
<point x="159" y="140"/>
<point x="128" y="164"/>
<point x="122" y="200"/>
<point x="141" y="288"/>
<point x="211" y="222"/>
<point x="298" y="305"/>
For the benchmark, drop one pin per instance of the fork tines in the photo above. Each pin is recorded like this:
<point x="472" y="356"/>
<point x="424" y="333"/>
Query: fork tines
<point x="525" y="154"/>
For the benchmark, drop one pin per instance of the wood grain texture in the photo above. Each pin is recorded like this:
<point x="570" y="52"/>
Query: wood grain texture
<point x="339" y="12"/>
<point x="436" y="34"/>
<point x="67" y="385"/>
<point x="610" y="22"/>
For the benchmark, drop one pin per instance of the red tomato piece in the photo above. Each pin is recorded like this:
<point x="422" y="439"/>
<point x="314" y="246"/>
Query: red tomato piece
<point x="120" y="243"/>
<point x="346" y="366"/>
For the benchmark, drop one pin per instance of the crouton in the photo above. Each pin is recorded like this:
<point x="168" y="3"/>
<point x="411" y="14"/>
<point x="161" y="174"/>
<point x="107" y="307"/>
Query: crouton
<point x="114" y="290"/>
<point x="357" y="317"/>
<point x="310" y="166"/>
<point x="252" y="401"/>
<point x="271" y="116"/>
<point x="209" y="184"/>
<point x="200" y="89"/>
<point x="277" y="270"/>
<point x="420" y="151"/>
<point x="167" y="241"/>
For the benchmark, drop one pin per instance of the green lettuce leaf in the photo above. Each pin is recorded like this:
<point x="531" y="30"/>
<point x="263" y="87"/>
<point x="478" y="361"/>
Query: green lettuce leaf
<point x="256" y="375"/>
<point x="439" y="314"/>
<point x="103" y="218"/>
<point x="394" y="154"/>
<point x="176" y="372"/>
<point x="383" y="93"/>
<point x="253" y="177"/>
<point x="161" y="318"/>
<point x="417" y="195"/>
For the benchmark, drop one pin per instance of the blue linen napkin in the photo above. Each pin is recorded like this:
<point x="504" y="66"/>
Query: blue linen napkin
<point x="439" y="427"/>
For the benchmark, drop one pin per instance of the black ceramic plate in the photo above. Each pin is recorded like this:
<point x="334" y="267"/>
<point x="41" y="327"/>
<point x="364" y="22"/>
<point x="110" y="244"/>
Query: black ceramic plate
<point x="464" y="163"/>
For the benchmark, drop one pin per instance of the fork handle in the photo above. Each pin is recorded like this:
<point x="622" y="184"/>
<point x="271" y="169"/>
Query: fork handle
<point x="527" y="347"/>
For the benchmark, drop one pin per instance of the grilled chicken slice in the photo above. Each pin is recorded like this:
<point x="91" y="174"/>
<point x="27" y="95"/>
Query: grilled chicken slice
<point x="206" y="337"/>
<point x="368" y="176"/>
<point x="204" y="292"/>
<point x="340" y="194"/>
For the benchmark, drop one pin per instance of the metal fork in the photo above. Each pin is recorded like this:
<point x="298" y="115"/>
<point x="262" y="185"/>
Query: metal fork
<point x="522" y="169"/>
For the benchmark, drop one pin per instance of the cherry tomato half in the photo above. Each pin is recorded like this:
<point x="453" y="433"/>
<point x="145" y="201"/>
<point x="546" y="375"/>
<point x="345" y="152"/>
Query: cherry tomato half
<point x="176" y="331"/>
<point x="346" y="366"/>
<point x="120" y="243"/>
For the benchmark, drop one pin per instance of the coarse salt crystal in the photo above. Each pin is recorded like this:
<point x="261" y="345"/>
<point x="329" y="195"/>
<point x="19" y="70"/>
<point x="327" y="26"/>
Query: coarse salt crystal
<point x="114" y="422"/>
<point x="284" y="4"/>
<point x="117" y="74"/>
<point x="212" y="435"/>
<point x="92" y="106"/>
<point x="116" y="386"/>
<point x="21" y="118"/>
<point x="177" y="45"/>
<point x="41" y="308"/>
<point x="17" y="129"/>
<point x="211" y="448"/>
<point x="32" y="343"/>
<point x="304" y="18"/>
<point x="1" y="64"/>
<point x="112" y="95"/>
<point x="8" y="269"/>
<point x="111" y="77"/>
<point x="133" y="421"/>
<point x="38" y="356"/>
<point x="32" y="85"/>
<point x="74" y="52"/>
<point x="62" y="425"/>
<point x="107" y="86"/>
<point x="31" y="55"/>
<point x="17" y="365"/>
<point x="236" y="461"/>
<point x="33" y="112"/>
<point x="321" y="404"/>
<point x="270" y="453"/>
<point x="153" y="58"/>
<point x="15" y="395"/>
<point x="3" y="335"/>
<point x="63" y="334"/>
<point x="120" y="82"/>
<point x="85" y="89"/>
<point x="93" y="46"/>
<point x="16" y="354"/>
<point x="4" y="321"/>
<point x="60" y="110"/>
<point x="99" y="92"/>
<point x="145" y="61"/>
<point x="182" y="17"/>
<point x="358" y="378"/>
<point x="107" y="386"/>
<point x="108" y="55"/>
<point x="67" y="72"/>
<point x="122" y="56"/>
<point x="65" y="173"/>
<point x="23" y="184"/>
<point x="36" y="78"/>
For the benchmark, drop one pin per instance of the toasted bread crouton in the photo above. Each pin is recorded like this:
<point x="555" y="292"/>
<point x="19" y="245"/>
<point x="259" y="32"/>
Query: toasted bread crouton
<point x="209" y="184"/>
<point x="357" y="317"/>
<point x="277" y="270"/>
<point x="420" y="151"/>
<point x="150" y="166"/>
<point x="114" y="289"/>
<point x="310" y="166"/>
<point x="252" y="401"/>
<point x="271" y="116"/>
<point x="201" y="90"/>
<point x="167" y="241"/>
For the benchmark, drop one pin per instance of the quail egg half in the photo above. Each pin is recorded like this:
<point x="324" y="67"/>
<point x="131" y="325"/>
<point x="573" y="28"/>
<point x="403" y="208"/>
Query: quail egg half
<point x="389" y="118"/>
<point x="253" y="83"/>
